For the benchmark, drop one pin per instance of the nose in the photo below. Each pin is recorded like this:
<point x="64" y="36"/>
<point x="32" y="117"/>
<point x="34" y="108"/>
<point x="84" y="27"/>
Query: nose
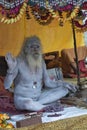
<point x="35" y="47"/>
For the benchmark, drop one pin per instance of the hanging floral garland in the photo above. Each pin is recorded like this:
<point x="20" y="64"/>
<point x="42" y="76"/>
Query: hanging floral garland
<point x="44" y="11"/>
<point x="45" y="14"/>
<point x="42" y="15"/>
<point x="80" y="27"/>
<point x="13" y="12"/>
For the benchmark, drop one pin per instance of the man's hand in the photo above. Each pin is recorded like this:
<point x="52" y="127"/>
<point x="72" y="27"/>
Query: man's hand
<point x="11" y="61"/>
<point x="72" y="87"/>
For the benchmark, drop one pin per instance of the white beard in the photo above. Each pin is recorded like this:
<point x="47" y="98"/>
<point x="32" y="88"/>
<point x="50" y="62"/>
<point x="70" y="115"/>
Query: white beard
<point x="34" y="64"/>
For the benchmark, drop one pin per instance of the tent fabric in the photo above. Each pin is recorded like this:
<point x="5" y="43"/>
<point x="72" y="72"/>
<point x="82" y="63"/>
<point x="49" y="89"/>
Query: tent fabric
<point x="53" y="36"/>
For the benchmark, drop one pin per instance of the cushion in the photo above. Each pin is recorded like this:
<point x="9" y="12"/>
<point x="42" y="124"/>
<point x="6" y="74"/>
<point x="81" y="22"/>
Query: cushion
<point x="51" y="59"/>
<point x="82" y="66"/>
<point x="68" y="58"/>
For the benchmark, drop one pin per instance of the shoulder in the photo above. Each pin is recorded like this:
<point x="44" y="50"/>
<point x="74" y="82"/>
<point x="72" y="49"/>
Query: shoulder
<point x="43" y="62"/>
<point x="20" y="61"/>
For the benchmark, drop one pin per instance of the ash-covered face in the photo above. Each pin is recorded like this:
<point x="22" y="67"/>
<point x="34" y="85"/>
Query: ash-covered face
<point x="33" y="47"/>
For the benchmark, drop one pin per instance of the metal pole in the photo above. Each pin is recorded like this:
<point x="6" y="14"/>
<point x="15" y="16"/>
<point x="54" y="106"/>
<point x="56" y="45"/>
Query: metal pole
<point x="76" y="56"/>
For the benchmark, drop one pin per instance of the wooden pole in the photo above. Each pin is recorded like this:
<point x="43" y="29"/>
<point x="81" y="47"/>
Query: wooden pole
<point x="76" y="56"/>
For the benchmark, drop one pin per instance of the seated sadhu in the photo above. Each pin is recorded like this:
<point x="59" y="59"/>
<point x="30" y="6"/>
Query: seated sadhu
<point x="29" y="74"/>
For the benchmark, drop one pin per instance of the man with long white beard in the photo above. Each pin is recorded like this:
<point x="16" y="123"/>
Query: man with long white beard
<point x="29" y="74"/>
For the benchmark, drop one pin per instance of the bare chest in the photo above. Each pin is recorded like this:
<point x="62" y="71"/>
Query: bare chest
<point x="27" y="75"/>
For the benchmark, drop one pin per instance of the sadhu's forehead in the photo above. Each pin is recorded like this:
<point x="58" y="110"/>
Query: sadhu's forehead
<point x="33" y="40"/>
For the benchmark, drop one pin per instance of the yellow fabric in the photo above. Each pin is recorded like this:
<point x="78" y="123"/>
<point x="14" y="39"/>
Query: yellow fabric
<point x="11" y="37"/>
<point x="53" y="37"/>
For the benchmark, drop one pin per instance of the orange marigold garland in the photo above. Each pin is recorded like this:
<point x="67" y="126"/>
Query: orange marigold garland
<point x="3" y="121"/>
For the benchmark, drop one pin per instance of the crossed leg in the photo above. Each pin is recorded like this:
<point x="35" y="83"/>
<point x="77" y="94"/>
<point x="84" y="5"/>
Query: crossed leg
<point x="47" y="96"/>
<point x="22" y="103"/>
<point x="52" y="95"/>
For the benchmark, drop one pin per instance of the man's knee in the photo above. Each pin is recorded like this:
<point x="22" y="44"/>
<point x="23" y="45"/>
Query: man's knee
<point x="27" y="104"/>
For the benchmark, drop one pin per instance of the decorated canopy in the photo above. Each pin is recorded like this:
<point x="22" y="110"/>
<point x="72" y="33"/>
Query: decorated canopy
<point x="44" y="11"/>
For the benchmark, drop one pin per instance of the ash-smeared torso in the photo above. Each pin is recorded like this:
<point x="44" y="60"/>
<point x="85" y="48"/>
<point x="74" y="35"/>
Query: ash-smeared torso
<point x="28" y="84"/>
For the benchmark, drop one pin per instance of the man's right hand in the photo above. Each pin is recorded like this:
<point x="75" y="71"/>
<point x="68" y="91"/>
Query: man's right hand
<point x="11" y="61"/>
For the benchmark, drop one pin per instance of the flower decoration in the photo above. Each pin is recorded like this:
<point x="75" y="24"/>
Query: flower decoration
<point x="63" y="8"/>
<point x="84" y="6"/>
<point x="11" y="11"/>
<point x="42" y="15"/>
<point x="3" y="121"/>
<point x="74" y="13"/>
<point x="13" y="15"/>
<point x="80" y="27"/>
<point x="44" y="11"/>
